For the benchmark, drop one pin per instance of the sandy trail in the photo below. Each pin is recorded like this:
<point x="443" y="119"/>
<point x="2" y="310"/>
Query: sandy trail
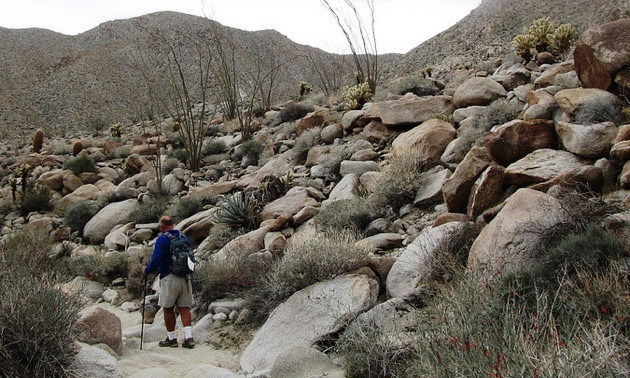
<point x="154" y="361"/>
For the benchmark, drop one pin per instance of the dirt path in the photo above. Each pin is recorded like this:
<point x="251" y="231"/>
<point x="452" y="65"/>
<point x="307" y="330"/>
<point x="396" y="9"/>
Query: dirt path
<point x="154" y="361"/>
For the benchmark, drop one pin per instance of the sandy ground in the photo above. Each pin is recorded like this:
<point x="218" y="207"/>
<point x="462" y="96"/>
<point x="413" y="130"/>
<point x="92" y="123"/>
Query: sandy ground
<point x="154" y="361"/>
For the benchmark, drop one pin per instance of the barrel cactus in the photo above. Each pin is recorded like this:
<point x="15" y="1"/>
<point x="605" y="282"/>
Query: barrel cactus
<point x="38" y="140"/>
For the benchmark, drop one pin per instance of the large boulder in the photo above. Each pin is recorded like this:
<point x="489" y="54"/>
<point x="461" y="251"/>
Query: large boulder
<point x="478" y="91"/>
<point x="515" y="239"/>
<point x="515" y="139"/>
<point x="309" y="316"/>
<point x="410" y="109"/>
<point x="541" y="165"/>
<point x="602" y="53"/>
<point x="318" y="118"/>
<point x="104" y="221"/>
<point x="97" y="325"/>
<point x="295" y="200"/>
<point x="411" y="274"/>
<point x="94" y="362"/>
<point x="571" y="101"/>
<point x="591" y="141"/>
<point x="456" y="189"/>
<point x="428" y="141"/>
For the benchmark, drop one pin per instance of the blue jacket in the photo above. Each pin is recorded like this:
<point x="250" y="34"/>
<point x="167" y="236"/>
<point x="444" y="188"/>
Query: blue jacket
<point x="161" y="258"/>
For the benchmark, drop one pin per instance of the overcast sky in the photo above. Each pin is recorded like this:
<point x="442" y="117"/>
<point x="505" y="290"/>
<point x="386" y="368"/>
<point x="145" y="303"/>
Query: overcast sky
<point x="400" y="24"/>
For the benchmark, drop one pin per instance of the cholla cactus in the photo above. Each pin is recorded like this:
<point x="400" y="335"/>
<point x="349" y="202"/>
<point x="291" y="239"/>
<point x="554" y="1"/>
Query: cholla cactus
<point x="356" y="96"/>
<point x="116" y="130"/>
<point x="524" y="45"/>
<point x="542" y="30"/>
<point x="304" y="88"/>
<point x="564" y="38"/>
<point x="23" y="171"/>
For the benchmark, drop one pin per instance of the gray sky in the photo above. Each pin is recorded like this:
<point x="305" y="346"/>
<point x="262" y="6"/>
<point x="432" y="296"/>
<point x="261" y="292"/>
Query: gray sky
<point x="400" y="24"/>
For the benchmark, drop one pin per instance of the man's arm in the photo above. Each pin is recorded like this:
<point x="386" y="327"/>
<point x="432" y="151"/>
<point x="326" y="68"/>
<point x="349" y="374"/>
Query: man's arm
<point x="157" y="257"/>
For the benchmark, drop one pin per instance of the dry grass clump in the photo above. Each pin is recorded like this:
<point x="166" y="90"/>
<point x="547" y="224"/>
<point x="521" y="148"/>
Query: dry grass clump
<point x="308" y="259"/>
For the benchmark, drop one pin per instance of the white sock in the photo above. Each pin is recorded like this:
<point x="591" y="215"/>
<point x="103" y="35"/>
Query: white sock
<point x="171" y="335"/>
<point x="188" y="332"/>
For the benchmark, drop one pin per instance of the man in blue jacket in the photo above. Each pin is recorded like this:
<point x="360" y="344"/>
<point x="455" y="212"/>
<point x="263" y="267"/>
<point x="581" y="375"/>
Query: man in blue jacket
<point x="174" y="290"/>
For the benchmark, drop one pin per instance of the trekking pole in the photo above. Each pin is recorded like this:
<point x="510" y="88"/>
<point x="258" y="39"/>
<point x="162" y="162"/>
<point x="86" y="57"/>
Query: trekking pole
<point x="144" y="302"/>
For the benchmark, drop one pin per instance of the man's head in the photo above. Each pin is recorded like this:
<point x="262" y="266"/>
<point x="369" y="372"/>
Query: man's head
<point x="166" y="223"/>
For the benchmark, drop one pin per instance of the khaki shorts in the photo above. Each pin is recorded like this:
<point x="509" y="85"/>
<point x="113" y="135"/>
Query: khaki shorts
<point x="175" y="290"/>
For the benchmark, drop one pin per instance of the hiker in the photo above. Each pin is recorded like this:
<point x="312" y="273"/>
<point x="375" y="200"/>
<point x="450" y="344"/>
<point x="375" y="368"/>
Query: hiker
<point x="175" y="290"/>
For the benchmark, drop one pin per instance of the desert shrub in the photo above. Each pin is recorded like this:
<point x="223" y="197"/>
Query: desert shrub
<point x="59" y="147"/>
<point x="179" y="153"/>
<point x="185" y="207"/>
<point x="249" y="149"/>
<point x="215" y="147"/>
<point x="348" y="214"/>
<point x="567" y="319"/>
<point x="369" y="351"/>
<point x="499" y="112"/>
<point x="119" y="152"/>
<point x="226" y="277"/>
<point x="169" y="164"/>
<point x="331" y="162"/>
<point x="597" y="110"/>
<point x="151" y="209"/>
<point x="79" y="214"/>
<point x="100" y="268"/>
<point x="399" y="183"/>
<point x="239" y="210"/>
<point x="308" y="259"/>
<point x="308" y="139"/>
<point x="294" y="111"/>
<point x="134" y="282"/>
<point x="81" y="164"/>
<point x="34" y="342"/>
<point x="35" y="198"/>
<point x="212" y="131"/>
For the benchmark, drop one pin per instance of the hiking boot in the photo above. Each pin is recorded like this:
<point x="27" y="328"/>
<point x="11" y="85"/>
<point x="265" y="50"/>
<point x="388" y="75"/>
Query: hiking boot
<point x="169" y="343"/>
<point x="189" y="343"/>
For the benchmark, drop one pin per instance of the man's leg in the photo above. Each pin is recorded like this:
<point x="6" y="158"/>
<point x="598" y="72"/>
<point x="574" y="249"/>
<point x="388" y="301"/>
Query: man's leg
<point x="169" y="319"/>
<point x="187" y="322"/>
<point x="169" y="322"/>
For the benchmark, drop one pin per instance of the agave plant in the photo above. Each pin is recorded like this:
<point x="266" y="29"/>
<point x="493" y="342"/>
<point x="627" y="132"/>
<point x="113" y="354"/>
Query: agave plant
<point x="239" y="210"/>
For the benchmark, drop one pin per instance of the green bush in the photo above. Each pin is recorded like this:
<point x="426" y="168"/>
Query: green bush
<point x="307" y="140"/>
<point x="249" y="149"/>
<point x="308" y="259"/>
<point x="294" y="111"/>
<point x="79" y="214"/>
<point x="180" y="154"/>
<point x="500" y="112"/>
<point x="215" y="147"/>
<point x="169" y="164"/>
<point x="80" y="164"/>
<point x="36" y="198"/>
<point x="185" y="207"/>
<point x="151" y="209"/>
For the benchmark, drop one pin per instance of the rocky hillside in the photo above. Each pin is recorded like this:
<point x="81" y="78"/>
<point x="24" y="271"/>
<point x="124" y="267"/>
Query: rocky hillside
<point x="486" y="33"/>
<point x="74" y="84"/>
<point x="489" y="182"/>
